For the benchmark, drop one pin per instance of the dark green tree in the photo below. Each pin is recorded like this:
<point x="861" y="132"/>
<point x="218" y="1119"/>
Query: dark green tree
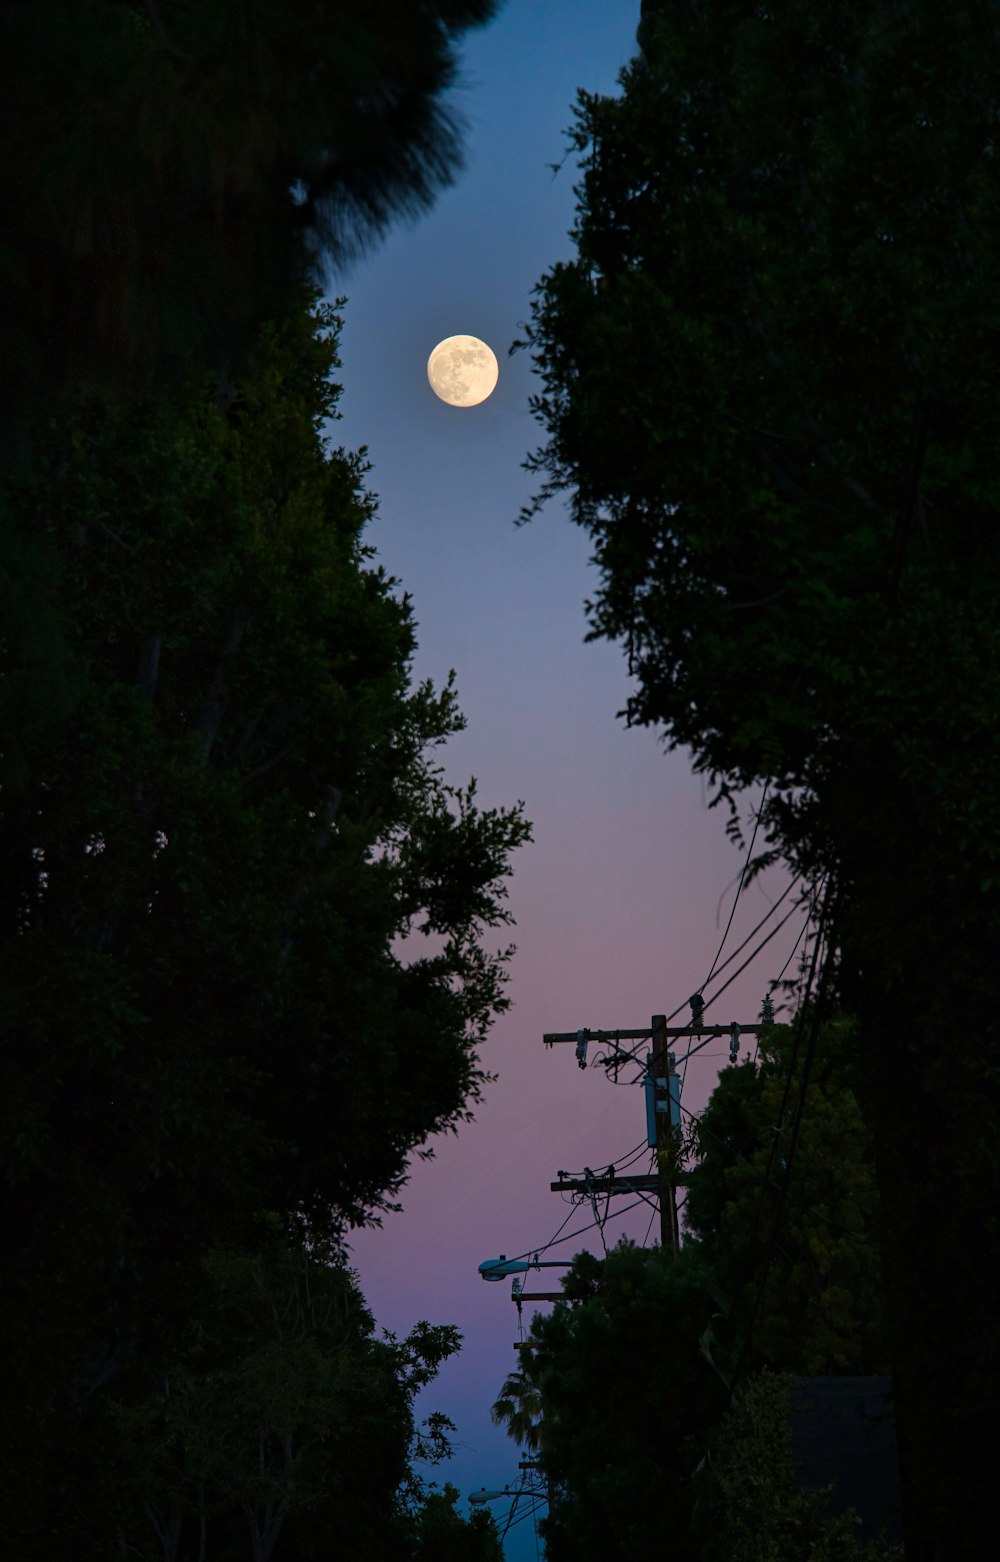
<point x="245" y="941"/>
<point x="167" y="170"/>
<point x="442" y="1535"/>
<point x="627" y="1398"/>
<point x="518" y="1407"/>
<point x="770" y="394"/>
<point x="169" y="175"/>
<point x="748" y="1506"/>
<point x="822" y="1310"/>
<point x="282" y="1425"/>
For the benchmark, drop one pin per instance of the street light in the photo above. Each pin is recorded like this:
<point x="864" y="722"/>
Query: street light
<point x="503" y="1267"/>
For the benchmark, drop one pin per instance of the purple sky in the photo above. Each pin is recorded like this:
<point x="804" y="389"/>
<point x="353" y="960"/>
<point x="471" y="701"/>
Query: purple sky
<point x="618" y="903"/>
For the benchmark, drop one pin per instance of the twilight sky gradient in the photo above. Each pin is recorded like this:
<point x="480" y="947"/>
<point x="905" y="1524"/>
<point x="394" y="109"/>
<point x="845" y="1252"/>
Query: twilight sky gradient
<point x="618" y="903"/>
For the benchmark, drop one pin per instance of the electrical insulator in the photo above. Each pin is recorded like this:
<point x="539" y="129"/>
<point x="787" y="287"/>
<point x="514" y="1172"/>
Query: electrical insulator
<point x="581" y="1048"/>
<point x="767" y="1011"/>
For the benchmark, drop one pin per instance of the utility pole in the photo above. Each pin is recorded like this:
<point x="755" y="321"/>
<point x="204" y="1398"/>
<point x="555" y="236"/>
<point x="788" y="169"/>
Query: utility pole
<point x="662" y="1085"/>
<point x="667" y="1146"/>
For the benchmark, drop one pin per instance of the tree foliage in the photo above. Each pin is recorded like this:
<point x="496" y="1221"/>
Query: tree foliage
<point x="442" y="1535"/>
<point x="518" y="1408"/>
<point x="168" y="170"/>
<point x="281" y="1420"/>
<point x="626" y="1395"/>
<point x="748" y="1506"/>
<point x="246" y="957"/>
<point x="768" y="396"/>
<point x="246" y="952"/>
<point x="824" y="1311"/>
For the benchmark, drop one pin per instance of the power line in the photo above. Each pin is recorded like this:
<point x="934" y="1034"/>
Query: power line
<point x="632" y="1055"/>
<point x="752" y="933"/>
<point x="751" y="958"/>
<point x="814" y="1023"/>
<point x="784" y="968"/>
<point x="739" y="891"/>
<point x="529" y="1513"/>
<point x="557" y="1240"/>
<point x="619" y="1161"/>
<point x="777" y="980"/>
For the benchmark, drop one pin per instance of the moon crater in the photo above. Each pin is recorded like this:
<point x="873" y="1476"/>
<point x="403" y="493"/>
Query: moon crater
<point x="462" y="371"/>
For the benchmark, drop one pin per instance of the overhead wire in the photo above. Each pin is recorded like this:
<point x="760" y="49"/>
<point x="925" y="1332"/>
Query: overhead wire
<point x="753" y="840"/>
<point x="778" y="979"/>
<point x="752" y="934"/>
<point x="538" y="1502"/>
<point x="632" y="1054"/>
<point x="815" y="1014"/>
<point x="557" y="1240"/>
<point x="623" y="1165"/>
<point x="619" y="1161"/>
<point x="751" y="958"/>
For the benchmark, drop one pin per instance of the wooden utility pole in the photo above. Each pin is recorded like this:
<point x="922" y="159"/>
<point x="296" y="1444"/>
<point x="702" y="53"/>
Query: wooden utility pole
<point x="666" y="1142"/>
<point x="663" y="1089"/>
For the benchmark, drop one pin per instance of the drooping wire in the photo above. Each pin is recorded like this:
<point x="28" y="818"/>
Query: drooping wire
<point x="751" y="958"/>
<point x="539" y="1502"/>
<point x="778" y="979"/>
<point x="571" y="1236"/>
<point x="753" y="839"/>
<point x="599" y="1219"/>
<point x="632" y="1054"/>
<point x="815" y="1018"/>
<point x="619" y="1161"/>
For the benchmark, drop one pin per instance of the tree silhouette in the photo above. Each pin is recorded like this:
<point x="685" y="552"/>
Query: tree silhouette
<point x="518" y="1408"/>
<point x="766" y="395"/>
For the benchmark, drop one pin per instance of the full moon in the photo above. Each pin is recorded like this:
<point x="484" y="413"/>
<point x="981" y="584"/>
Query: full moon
<point x="463" y="371"/>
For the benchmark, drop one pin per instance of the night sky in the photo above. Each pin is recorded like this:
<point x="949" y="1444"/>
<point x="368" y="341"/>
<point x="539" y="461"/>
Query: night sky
<point x="621" y="901"/>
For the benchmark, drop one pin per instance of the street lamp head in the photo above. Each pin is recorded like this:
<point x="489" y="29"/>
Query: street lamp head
<point x="501" y="1268"/>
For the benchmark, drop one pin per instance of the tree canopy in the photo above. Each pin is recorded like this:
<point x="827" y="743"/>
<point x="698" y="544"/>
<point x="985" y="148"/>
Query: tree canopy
<point x="823" y="1309"/>
<point x="246" y="957"/>
<point x="769" y="396"/>
<point x="247" y="931"/>
<point x="280" y="1419"/>
<point x="167" y="170"/>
